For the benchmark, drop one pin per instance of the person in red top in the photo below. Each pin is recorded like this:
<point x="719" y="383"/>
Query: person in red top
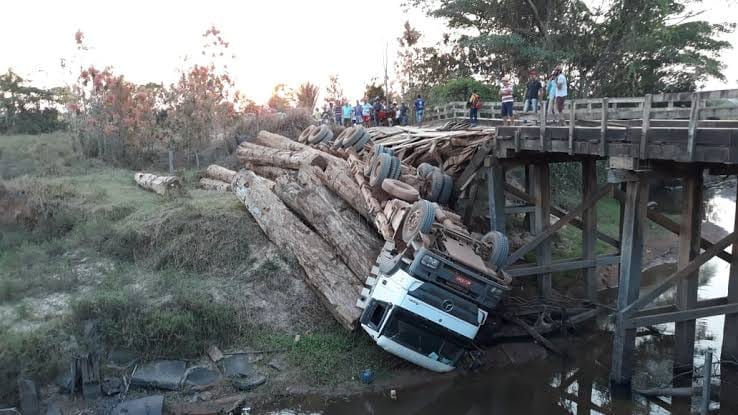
<point x="475" y="103"/>
<point x="506" y="95"/>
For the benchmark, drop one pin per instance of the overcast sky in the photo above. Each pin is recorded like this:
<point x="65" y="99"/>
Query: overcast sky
<point x="287" y="41"/>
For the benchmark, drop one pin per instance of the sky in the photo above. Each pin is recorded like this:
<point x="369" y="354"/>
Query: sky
<point x="278" y="41"/>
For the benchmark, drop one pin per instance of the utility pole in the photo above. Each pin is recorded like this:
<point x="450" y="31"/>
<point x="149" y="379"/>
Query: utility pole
<point x="386" y="78"/>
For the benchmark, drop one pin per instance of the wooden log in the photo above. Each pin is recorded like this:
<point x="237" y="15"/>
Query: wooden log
<point x="268" y="172"/>
<point x="286" y="159"/>
<point x="375" y="208"/>
<point x="267" y="139"/>
<point x="162" y="185"/>
<point x="217" y="172"/>
<point x="355" y="241"/>
<point x="339" y="180"/>
<point x="327" y="275"/>
<point x="217" y="185"/>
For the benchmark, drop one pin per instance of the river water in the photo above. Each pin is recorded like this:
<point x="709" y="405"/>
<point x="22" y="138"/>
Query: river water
<point x="577" y="385"/>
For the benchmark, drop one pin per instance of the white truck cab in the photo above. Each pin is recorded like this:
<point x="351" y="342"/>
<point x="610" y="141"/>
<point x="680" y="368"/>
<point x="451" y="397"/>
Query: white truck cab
<point x="402" y="323"/>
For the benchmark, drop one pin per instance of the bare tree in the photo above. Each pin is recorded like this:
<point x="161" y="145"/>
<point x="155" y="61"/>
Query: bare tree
<point x="307" y="95"/>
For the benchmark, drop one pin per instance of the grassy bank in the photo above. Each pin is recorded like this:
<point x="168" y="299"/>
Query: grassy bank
<point x="161" y="277"/>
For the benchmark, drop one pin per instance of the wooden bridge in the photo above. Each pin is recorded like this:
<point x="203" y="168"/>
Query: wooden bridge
<point x="666" y="135"/>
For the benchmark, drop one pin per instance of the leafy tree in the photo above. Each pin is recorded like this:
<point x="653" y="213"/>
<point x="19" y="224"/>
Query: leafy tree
<point x="407" y="55"/>
<point x="460" y="89"/>
<point x="334" y="90"/>
<point x="307" y="96"/>
<point x="281" y="99"/>
<point x="27" y="109"/>
<point x="621" y="47"/>
<point x="373" y="91"/>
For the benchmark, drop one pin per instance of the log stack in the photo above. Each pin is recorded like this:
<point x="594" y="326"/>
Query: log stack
<point x="327" y="203"/>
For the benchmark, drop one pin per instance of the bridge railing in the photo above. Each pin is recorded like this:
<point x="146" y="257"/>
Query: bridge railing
<point x="659" y="106"/>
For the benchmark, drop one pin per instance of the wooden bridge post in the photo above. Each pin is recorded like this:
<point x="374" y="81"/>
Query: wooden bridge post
<point x="589" y="228"/>
<point x="729" y="352"/>
<point x="631" y="262"/>
<point x="496" y="194"/>
<point x="542" y="196"/>
<point x="689" y="248"/>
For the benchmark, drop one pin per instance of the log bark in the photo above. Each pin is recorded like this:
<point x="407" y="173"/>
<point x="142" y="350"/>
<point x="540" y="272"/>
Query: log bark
<point x="286" y="159"/>
<point x="267" y="139"/>
<point x="216" y="185"/>
<point x="326" y="274"/>
<point x="339" y="180"/>
<point x="162" y="185"/>
<point x="355" y="241"/>
<point x="375" y="208"/>
<point x="217" y="172"/>
<point x="268" y="172"/>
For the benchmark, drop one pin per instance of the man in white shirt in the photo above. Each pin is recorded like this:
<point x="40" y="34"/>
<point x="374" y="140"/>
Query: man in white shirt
<point x="561" y="92"/>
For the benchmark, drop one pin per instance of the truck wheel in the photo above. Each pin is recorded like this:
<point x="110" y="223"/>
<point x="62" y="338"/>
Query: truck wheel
<point x="400" y="190"/>
<point x="359" y="146"/>
<point x="305" y="134"/>
<point x="353" y="138"/>
<point x="318" y="135"/>
<point x="338" y="142"/>
<point x="419" y="219"/>
<point x="448" y="187"/>
<point x="500" y="247"/>
<point x="424" y="169"/>
<point x="436" y="186"/>
<point x="380" y="170"/>
<point x="395" y="170"/>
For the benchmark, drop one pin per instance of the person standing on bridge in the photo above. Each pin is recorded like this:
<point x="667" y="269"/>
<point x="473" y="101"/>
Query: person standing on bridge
<point x="506" y="95"/>
<point x="419" y="110"/>
<point x="347" y="113"/>
<point x="551" y="93"/>
<point x="475" y="103"/>
<point x="338" y="112"/>
<point x="533" y="92"/>
<point x="358" y="113"/>
<point x="561" y="92"/>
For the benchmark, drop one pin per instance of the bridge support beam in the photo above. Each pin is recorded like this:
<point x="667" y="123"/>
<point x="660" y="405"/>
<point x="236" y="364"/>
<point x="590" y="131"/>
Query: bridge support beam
<point x="631" y="262"/>
<point x="496" y="195"/>
<point x="541" y="187"/>
<point x="729" y="352"/>
<point x="589" y="228"/>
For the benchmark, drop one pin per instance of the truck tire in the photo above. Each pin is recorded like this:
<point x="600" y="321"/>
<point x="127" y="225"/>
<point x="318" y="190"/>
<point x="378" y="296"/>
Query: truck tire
<point x="500" y="247"/>
<point x="395" y="170"/>
<point x="354" y="137"/>
<point x="425" y="169"/>
<point x="448" y="187"/>
<point x="400" y="190"/>
<point x="359" y="146"/>
<point x="419" y="219"/>
<point x="436" y="186"/>
<point x="305" y="134"/>
<point x="318" y="135"/>
<point x="338" y="143"/>
<point x="380" y="170"/>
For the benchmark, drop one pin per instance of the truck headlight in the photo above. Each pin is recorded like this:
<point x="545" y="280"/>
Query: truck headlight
<point x="430" y="262"/>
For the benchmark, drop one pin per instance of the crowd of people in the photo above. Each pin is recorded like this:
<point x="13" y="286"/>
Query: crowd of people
<point x="371" y="113"/>
<point x="378" y="112"/>
<point x="555" y="94"/>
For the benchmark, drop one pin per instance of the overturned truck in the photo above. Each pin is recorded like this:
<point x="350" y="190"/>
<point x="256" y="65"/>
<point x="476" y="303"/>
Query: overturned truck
<point x="374" y="233"/>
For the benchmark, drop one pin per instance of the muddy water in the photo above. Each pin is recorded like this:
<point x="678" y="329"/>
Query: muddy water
<point x="578" y="385"/>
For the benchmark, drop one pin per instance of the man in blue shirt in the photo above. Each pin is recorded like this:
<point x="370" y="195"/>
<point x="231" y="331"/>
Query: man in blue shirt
<point x="419" y="110"/>
<point x="358" y="113"/>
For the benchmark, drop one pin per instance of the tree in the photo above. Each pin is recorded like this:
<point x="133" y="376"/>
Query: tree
<point x="373" y="91"/>
<point x="27" y="109"/>
<point x="281" y="98"/>
<point x="460" y="89"/>
<point x="307" y="96"/>
<point x="621" y="47"/>
<point x="334" y="90"/>
<point x="407" y="55"/>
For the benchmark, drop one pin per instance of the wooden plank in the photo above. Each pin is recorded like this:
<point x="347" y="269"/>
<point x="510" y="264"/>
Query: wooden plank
<point x="689" y="248"/>
<point x="542" y="194"/>
<point x="603" y="128"/>
<point x="694" y="265"/>
<point x="694" y="115"/>
<point x="550" y="230"/>
<point x="514" y="210"/>
<point x="563" y="265"/>
<point x="560" y="213"/>
<point x="630" y="278"/>
<point x="682" y="316"/>
<point x="543" y="126"/>
<point x="589" y="220"/>
<point x="644" y="128"/>
<point x="496" y="196"/>
<point x="572" y="125"/>
<point x="474" y="163"/>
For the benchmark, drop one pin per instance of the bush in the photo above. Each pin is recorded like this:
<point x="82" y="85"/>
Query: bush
<point x="289" y="124"/>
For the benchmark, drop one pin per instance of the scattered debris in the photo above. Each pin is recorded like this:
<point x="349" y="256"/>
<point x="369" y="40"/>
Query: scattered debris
<point x="249" y="383"/>
<point x="150" y="405"/>
<point x="201" y="378"/>
<point x="237" y="365"/>
<point x="164" y="374"/>
<point x="112" y="386"/>
<point x="29" y="402"/>
<point x="367" y="376"/>
<point x="88" y="369"/>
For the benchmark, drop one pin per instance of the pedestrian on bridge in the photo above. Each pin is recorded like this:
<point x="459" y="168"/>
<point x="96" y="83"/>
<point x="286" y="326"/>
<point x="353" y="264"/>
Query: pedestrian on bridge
<point x="348" y="111"/>
<point x="533" y="93"/>
<point x="506" y="95"/>
<point x="475" y="103"/>
<point x="561" y="93"/>
<point x="419" y="110"/>
<point x="551" y="93"/>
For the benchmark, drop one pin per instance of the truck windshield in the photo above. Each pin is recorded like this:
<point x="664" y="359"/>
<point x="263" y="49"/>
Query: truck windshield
<point x="424" y="337"/>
